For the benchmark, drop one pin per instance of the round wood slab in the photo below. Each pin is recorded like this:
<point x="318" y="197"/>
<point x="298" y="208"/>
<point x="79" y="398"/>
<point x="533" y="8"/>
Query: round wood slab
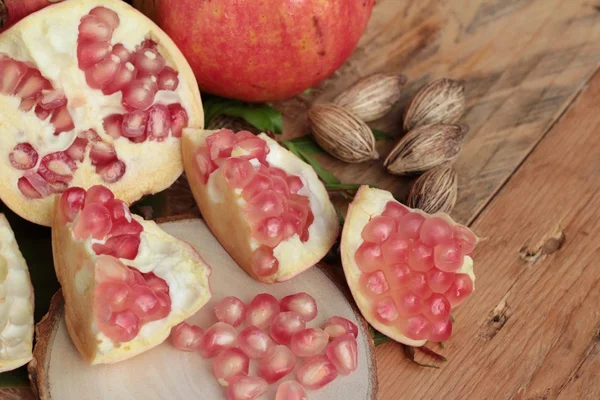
<point x="59" y="373"/>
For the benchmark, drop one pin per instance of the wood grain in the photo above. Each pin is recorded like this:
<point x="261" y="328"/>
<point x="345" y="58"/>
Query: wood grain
<point x="531" y="330"/>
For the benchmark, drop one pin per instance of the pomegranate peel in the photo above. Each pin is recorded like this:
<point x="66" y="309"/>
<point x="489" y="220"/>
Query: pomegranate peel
<point x="16" y="308"/>
<point x="287" y="235"/>
<point x="118" y="308"/>
<point x="396" y="304"/>
<point x="49" y="99"/>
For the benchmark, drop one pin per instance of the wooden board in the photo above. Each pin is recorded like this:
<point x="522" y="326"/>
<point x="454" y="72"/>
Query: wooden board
<point x="165" y="372"/>
<point x="531" y="330"/>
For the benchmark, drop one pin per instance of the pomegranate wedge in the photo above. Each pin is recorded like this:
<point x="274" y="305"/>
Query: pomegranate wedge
<point x="99" y="96"/>
<point x="134" y="274"/>
<point x="406" y="269"/>
<point x="267" y="207"/>
<point x="16" y="307"/>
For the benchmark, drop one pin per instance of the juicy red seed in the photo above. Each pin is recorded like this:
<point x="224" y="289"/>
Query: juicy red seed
<point x="36" y="182"/>
<point x="407" y="304"/>
<point x="290" y="390"/>
<point x="466" y="238"/>
<point x="91" y="52"/>
<point x="57" y="167"/>
<point x="134" y="124"/>
<point x="398" y="275"/>
<point x="394" y="210"/>
<point x="27" y="189"/>
<point x="41" y="113"/>
<point x="343" y="353"/>
<point x="51" y="99"/>
<point x="279" y="362"/>
<point x="158" y="122"/>
<point x="420" y="257"/>
<point x="123" y="76"/>
<point x="256" y="186"/>
<point x="246" y="388"/>
<point x="263" y="205"/>
<point x="112" y="172"/>
<point x="301" y="303"/>
<point x="27" y="104"/>
<point x="448" y="256"/>
<point x="237" y="172"/>
<point x="436" y="308"/>
<point x="62" y="121"/>
<point x="124" y="246"/>
<point x="11" y="73"/>
<point x="168" y="79"/>
<point x="71" y="202"/>
<point x="31" y="85"/>
<point x="374" y="284"/>
<point x="262" y="310"/>
<point x="294" y="183"/>
<point x="148" y="44"/>
<point x="204" y="164"/>
<point x="218" y="338"/>
<point x="179" y="119"/>
<point x="435" y="230"/>
<point x="309" y="342"/>
<point x="113" y="125"/>
<point x="385" y="310"/>
<point x="417" y="327"/>
<point x="99" y="194"/>
<point x="23" y="156"/>
<point x="103" y="73"/>
<point x="316" y="372"/>
<point x="231" y="310"/>
<point x="220" y="144"/>
<point x="94" y="28"/>
<point x="409" y="225"/>
<point x="230" y="363"/>
<point x="102" y="153"/>
<point x="108" y="16"/>
<point x="143" y="302"/>
<point x="285" y="325"/>
<point x="417" y="283"/>
<point x="395" y="250"/>
<point x="155" y="283"/>
<point x="441" y="331"/>
<point x="149" y="61"/>
<point x="378" y="229"/>
<point x="93" y="221"/>
<point x="138" y="94"/>
<point x="268" y="232"/>
<point x="254" y="342"/>
<point x="338" y="326"/>
<point x="123" y="326"/>
<point x="186" y="337"/>
<point x="120" y="51"/>
<point x="368" y="257"/>
<point x="264" y="262"/>
<point x="460" y="289"/>
<point x="123" y="227"/>
<point x="439" y="281"/>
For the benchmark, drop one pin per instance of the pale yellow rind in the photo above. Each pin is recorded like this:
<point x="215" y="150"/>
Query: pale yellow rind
<point x="167" y="257"/>
<point x="16" y="303"/>
<point x="47" y="40"/>
<point x="368" y="203"/>
<point x="221" y="208"/>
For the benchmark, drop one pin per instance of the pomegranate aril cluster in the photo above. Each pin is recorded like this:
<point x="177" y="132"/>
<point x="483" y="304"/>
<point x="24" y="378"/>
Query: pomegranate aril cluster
<point x="273" y="334"/>
<point x="274" y="208"/>
<point x="409" y="266"/>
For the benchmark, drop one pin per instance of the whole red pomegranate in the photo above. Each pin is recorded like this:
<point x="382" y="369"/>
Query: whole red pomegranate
<point x="263" y="50"/>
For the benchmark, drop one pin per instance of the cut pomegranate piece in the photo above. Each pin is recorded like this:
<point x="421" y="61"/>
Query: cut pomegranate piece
<point x="285" y="325"/>
<point x="102" y="153"/>
<point x="294" y="183"/>
<point x="31" y="85"/>
<point x="112" y="171"/>
<point x="279" y="362"/>
<point x="302" y="304"/>
<point x="113" y="125"/>
<point x="246" y="387"/>
<point x="290" y="390"/>
<point x="93" y="221"/>
<point x="254" y="342"/>
<point x="217" y="338"/>
<point x="460" y="289"/>
<point x="90" y="52"/>
<point x="316" y="372"/>
<point x="125" y="74"/>
<point x="186" y="337"/>
<point x="168" y="79"/>
<point x="179" y="119"/>
<point x="93" y="27"/>
<point x="394" y="210"/>
<point x="409" y="225"/>
<point x="339" y="326"/>
<point x="51" y="99"/>
<point x="378" y="229"/>
<point x="108" y="16"/>
<point x="441" y="331"/>
<point x="123" y="246"/>
<point x="138" y="94"/>
<point x="309" y="342"/>
<point x="158" y="122"/>
<point x="109" y="269"/>
<point x="99" y="194"/>
<point x="230" y="363"/>
<point x="149" y="60"/>
<point x="262" y="310"/>
<point x="57" y="167"/>
<point x="62" y="121"/>
<point x="77" y="150"/>
<point x="23" y="156"/>
<point x="264" y="262"/>
<point x="343" y="353"/>
<point x="231" y="310"/>
<point x="102" y="73"/>
<point x="369" y="257"/>
<point x="237" y="172"/>
<point x="420" y="257"/>
<point x="71" y="202"/>
<point x="374" y="284"/>
<point x="11" y="73"/>
<point x="123" y="326"/>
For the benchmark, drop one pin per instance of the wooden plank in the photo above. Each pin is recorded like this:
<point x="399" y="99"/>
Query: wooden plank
<point x="532" y="328"/>
<point x="523" y="61"/>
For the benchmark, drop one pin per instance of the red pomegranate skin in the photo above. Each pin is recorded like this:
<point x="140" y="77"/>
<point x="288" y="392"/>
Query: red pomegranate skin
<point x="263" y="50"/>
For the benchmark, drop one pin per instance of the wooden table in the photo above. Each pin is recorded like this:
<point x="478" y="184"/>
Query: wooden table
<point x="529" y="183"/>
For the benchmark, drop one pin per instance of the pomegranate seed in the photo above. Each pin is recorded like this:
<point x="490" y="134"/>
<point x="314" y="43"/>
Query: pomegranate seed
<point x="112" y="293"/>
<point x="294" y="183"/>
<point x="51" y="99"/>
<point x="441" y="331"/>
<point x="134" y="124"/>
<point x="394" y="210"/>
<point x="373" y="284"/>
<point x="395" y="250"/>
<point x="149" y="61"/>
<point x="420" y="257"/>
<point x="339" y="326"/>
<point x="90" y="53"/>
<point x="204" y="164"/>
<point x="385" y="311"/>
<point x="417" y="283"/>
<point x="268" y="232"/>
<point x="31" y="85"/>
<point x="138" y="94"/>
<point x="231" y="310"/>
<point x="101" y="74"/>
<point x="439" y="281"/>
<point x="94" y="220"/>
<point x="148" y="79"/>
<point x="246" y="388"/>
<point x="124" y="227"/>
<point x="436" y="308"/>
<point x="122" y="327"/>
<point x="179" y="119"/>
<point x="343" y="353"/>
<point x="448" y="256"/>
<point x="253" y="148"/>
<point x="300" y="207"/>
<point x="57" y="167"/>
<point x="112" y="172"/>
<point x="120" y="51"/>
<point x="39" y="184"/>
<point x="94" y="28"/>
<point x="158" y="122"/>
<point x="106" y="15"/>
<point x="435" y="230"/>
<point x="102" y="153"/>
<point x="138" y="278"/>
<point x="11" y="74"/>
<point x="280" y="186"/>
<point x="461" y="288"/>
<point x="113" y="125"/>
<point x="155" y="283"/>
<point x="274" y="171"/>
<point x="148" y="44"/>
<point x="290" y="390"/>
<point x="466" y="238"/>
<point x="41" y="113"/>
<point x="23" y="156"/>
<point x="186" y="337"/>
<point x="378" y="229"/>
<point x="71" y="202"/>
<point x="316" y="372"/>
<point x="27" y="189"/>
<point x="168" y="79"/>
<point x="122" y="77"/>
<point x="262" y="310"/>
<point x="309" y="342"/>
<point x="62" y="121"/>
<point x="257" y="185"/>
<point x="264" y="262"/>
<point x="279" y="362"/>
<point x="398" y="275"/>
<point x="123" y="246"/>
<point x="119" y="210"/>
<point x="409" y="225"/>
<point x="27" y="104"/>
<point x="220" y="144"/>
<point x="301" y="303"/>
<point x="417" y="327"/>
<point x="292" y="225"/>
<point x="217" y="338"/>
<point x="368" y="257"/>
<point x="285" y="325"/>
<point x="143" y="302"/>
<point x="237" y="172"/>
<point x="263" y="205"/>
<point x="230" y="363"/>
<point x="254" y="342"/>
<point x="77" y="149"/>
<point x="99" y="194"/>
<point x="407" y="303"/>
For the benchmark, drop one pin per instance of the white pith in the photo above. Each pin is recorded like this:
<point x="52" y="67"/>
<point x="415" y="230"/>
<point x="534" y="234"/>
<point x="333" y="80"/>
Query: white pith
<point x="368" y="203"/>
<point x="16" y="303"/>
<point x="47" y="40"/>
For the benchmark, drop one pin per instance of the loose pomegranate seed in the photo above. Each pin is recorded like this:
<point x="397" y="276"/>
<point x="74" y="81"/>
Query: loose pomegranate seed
<point x="125" y="74"/>
<point x="294" y="183"/>
<point x="186" y="337"/>
<point x="441" y="331"/>
<point x="168" y="79"/>
<point x="123" y="246"/>
<point x="343" y="353"/>
<point x="264" y="262"/>
<point x="237" y="172"/>
<point x="394" y="210"/>
<point x="378" y="229"/>
<point x="112" y="172"/>
<point x="99" y="194"/>
<point x="417" y="327"/>
<point x="94" y="220"/>
<point x="290" y="390"/>
<point x="279" y="362"/>
<point x="113" y="125"/>
<point x="139" y="95"/>
<point x="461" y="288"/>
<point x="316" y="372"/>
<point x="231" y="310"/>
<point x="11" y="73"/>
<point x="120" y="51"/>
<point x="439" y="281"/>
<point x="57" y="167"/>
<point x="246" y="388"/>
<point x="51" y="99"/>
<point x="407" y="303"/>
<point x="339" y="326"/>
<point x="71" y="202"/>
<point x="62" y="121"/>
<point x="254" y="342"/>
<point x="448" y="256"/>
<point x="301" y="303"/>
<point x="123" y="326"/>
<point x="179" y="119"/>
<point x="466" y="238"/>
<point x="309" y="342"/>
<point x="23" y="156"/>
<point x="95" y="28"/>
<point x="217" y="338"/>
<point x="285" y="325"/>
<point x="158" y="122"/>
<point x="31" y="85"/>
<point x="77" y="150"/>
<point x="149" y="61"/>
<point x="420" y="257"/>
<point x="108" y="16"/>
<point x="262" y="310"/>
<point x="373" y="284"/>
<point x="369" y="257"/>
<point x="102" y="153"/>
<point x="395" y="249"/>
<point x="230" y="363"/>
<point x="27" y="189"/>
<point x="409" y="225"/>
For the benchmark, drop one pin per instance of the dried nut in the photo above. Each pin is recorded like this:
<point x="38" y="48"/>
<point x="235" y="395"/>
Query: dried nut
<point x="426" y="147"/>
<point x="236" y="124"/>
<point x="439" y="102"/>
<point x="341" y="133"/>
<point x="372" y="97"/>
<point x="435" y="191"/>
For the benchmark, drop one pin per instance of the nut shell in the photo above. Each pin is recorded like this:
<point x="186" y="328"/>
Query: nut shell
<point x="439" y="102"/>
<point x="434" y="191"/>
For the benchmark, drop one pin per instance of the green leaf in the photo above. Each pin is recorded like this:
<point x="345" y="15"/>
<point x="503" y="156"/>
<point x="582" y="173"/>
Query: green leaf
<point x="307" y="145"/>
<point x="340" y="215"/>
<point x="452" y="318"/>
<point x="342" y="186"/>
<point x="442" y="345"/>
<point x="307" y="91"/>
<point x="380" y="135"/>
<point x="262" y="116"/>
<point x="326" y="176"/>
<point x="378" y="337"/>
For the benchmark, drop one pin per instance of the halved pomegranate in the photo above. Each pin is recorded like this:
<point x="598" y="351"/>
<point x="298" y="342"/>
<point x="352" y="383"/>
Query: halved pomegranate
<point x="100" y="97"/>
<point x="120" y="273"/>
<point x="266" y="207"/>
<point x="406" y="269"/>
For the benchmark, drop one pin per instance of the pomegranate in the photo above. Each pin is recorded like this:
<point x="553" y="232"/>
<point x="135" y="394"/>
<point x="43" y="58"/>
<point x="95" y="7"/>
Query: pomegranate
<point x="283" y="221"/>
<point x="16" y="308"/>
<point x="406" y="269"/>
<point x="100" y="97"/>
<point x="119" y="273"/>
<point x="248" y="51"/>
